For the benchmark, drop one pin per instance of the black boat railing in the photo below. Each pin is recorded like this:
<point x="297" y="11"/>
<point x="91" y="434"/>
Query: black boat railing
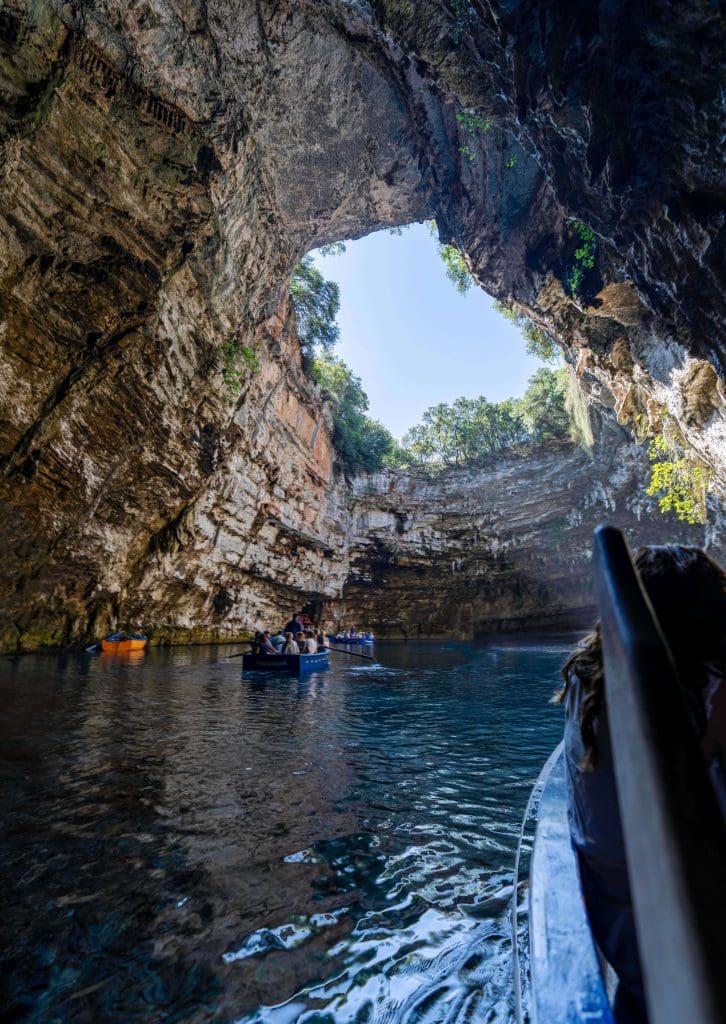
<point x="674" y="834"/>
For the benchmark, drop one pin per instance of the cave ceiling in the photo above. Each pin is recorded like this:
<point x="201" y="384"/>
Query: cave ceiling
<point x="166" y="162"/>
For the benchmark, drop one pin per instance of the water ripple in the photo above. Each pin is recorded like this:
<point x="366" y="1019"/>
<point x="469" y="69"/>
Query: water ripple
<point x="185" y="845"/>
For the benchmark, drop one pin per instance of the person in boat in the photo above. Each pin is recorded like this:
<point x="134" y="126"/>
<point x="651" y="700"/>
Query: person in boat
<point x="266" y="646"/>
<point x="688" y="592"/>
<point x="291" y="646"/>
<point x="309" y="645"/>
<point x="294" y="626"/>
<point x="278" y="641"/>
<point x="256" y="642"/>
<point x="322" y="640"/>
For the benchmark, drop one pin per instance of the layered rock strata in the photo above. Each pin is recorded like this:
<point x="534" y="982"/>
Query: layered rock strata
<point x="166" y="162"/>
<point x="468" y="552"/>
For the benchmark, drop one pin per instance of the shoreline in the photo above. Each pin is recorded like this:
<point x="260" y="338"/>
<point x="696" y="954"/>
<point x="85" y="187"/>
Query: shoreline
<point x="528" y="636"/>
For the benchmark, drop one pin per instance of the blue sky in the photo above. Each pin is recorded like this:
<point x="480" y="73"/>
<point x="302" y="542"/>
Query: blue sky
<point x="411" y="337"/>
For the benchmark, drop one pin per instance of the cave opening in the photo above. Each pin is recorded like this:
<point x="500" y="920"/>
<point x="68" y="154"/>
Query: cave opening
<point x="411" y="337"/>
<point x="407" y="320"/>
<point x="460" y="556"/>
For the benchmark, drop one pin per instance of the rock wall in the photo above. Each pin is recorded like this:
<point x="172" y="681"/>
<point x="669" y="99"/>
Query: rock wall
<point x="468" y="552"/>
<point x="164" y="163"/>
<point x="137" y="487"/>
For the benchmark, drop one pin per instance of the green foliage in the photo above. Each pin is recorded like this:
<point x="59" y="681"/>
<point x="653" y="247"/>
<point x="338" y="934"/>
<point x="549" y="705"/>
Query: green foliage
<point x="472" y="124"/>
<point x="537" y="341"/>
<point x="463" y="19"/>
<point x="476" y="431"/>
<point x="573" y="280"/>
<point x="468" y="430"/>
<point x="396" y="456"/>
<point x="362" y="444"/>
<point x="584" y="257"/>
<point x="332" y="249"/>
<point x="452" y="257"/>
<point x="316" y="303"/>
<point x="456" y="268"/>
<point x="233" y="358"/>
<point x="511" y="162"/>
<point x="542" y="407"/>
<point x="680" y="481"/>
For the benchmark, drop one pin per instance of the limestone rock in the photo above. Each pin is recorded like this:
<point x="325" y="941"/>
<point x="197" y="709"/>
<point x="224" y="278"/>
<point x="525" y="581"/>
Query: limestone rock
<point x="164" y="163"/>
<point x="473" y="551"/>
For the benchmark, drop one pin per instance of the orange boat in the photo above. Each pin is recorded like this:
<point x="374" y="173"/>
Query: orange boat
<point x="124" y="644"/>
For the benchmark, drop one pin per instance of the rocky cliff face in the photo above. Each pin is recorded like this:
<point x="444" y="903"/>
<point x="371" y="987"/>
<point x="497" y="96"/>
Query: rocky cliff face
<point x="468" y="552"/>
<point x="165" y="162"/>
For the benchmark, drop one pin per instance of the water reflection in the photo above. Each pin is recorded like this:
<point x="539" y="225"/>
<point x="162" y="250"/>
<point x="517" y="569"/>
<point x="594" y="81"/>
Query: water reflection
<point x="186" y="845"/>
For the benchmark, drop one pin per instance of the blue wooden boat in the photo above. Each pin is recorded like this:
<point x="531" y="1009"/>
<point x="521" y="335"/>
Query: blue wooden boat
<point x="567" y="984"/>
<point x="293" y="663"/>
<point x="674" y="837"/>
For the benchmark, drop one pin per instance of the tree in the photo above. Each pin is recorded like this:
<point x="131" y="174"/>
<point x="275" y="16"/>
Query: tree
<point x="332" y="249"/>
<point x="457" y="270"/>
<point x="473" y="430"/>
<point x="537" y="341"/>
<point x="468" y="430"/>
<point x="542" y="407"/>
<point x="418" y="447"/>
<point x="362" y="444"/>
<point x="679" y="479"/>
<point x="316" y="303"/>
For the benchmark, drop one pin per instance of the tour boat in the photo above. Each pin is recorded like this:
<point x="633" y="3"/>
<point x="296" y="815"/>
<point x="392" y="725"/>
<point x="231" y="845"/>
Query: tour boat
<point x="673" y="830"/>
<point x="123" y="644"/>
<point x="285" y="662"/>
<point x="567" y="983"/>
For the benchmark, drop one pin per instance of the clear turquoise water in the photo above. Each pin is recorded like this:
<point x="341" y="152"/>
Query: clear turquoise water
<point x="184" y="844"/>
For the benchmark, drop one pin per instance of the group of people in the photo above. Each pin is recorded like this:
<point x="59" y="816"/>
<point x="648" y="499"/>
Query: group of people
<point x="352" y="635"/>
<point x="296" y="637"/>
<point x="687" y="591"/>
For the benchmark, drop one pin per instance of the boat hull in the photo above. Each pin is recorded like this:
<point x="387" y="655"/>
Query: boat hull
<point x="567" y="985"/>
<point x="292" y="663"/>
<point x="136" y="643"/>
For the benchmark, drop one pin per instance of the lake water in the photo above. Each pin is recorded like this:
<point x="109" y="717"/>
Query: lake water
<point x="181" y="844"/>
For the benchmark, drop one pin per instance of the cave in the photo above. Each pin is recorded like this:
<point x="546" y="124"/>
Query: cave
<point x="164" y="166"/>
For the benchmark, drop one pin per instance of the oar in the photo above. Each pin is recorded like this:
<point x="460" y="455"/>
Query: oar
<point x="241" y="653"/>
<point x="352" y="654"/>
